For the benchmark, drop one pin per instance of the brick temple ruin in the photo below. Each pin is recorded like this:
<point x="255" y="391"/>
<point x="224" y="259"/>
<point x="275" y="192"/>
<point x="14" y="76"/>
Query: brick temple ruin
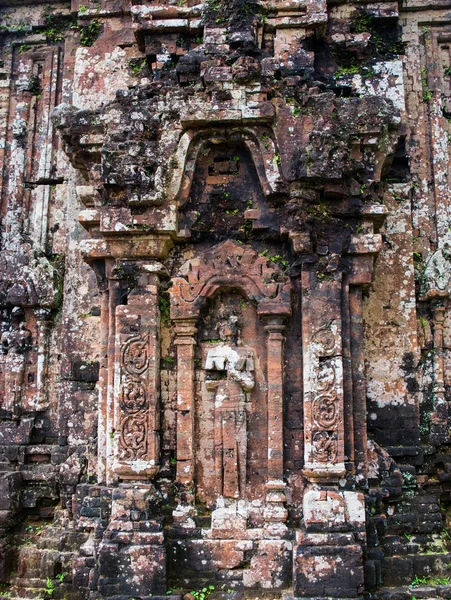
<point x="225" y="270"/>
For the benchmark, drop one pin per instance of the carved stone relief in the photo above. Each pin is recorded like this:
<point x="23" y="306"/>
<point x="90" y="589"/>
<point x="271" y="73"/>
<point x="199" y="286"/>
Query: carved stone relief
<point x="135" y="426"/>
<point x="230" y="375"/>
<point x="325" y="410"/>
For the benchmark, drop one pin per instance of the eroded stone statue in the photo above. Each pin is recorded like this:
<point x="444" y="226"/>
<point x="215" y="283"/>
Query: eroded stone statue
<point x="230" y="374"/>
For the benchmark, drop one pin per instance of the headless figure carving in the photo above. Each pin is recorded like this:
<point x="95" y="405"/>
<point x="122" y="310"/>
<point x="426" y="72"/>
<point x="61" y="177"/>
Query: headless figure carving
<point x="230" y="373"/>
<point x="16" y="342"/>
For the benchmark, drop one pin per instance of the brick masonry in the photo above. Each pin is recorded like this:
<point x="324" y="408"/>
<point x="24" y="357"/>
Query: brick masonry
<point x="224" y="290"/>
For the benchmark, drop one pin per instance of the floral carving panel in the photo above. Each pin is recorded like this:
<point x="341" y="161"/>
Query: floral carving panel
<point x="136" y="388"/>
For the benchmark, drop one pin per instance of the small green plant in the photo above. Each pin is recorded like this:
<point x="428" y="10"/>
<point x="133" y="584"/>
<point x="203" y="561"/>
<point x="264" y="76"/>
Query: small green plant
<point x="276" y="159"/>
<point x="440" y="580"/>
<point x="54" y="27"/>
<point x="362" y="23"/>
<point x="89" y="33"/>
<point x="351" y="70"/>
<point x="423" y="322"/>
<point x="165" y="308"/>
<point x="417" y="257"/>
<point x="430" y="581"/>
<point x="279" y="260"/>
<point x="246" y="229"/>
<point x="203" y="593"/>
<point x="49" y="586"/>
<point x="60" y="577"/>
<point x="447" y="71"/>
<point x="427" y="93"/>
<point x="83" y="9"/>
<point x="137" y="65"/>
<point x="418" y="581"/>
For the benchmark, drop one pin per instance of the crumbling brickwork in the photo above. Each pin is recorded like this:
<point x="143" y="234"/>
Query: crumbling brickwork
<point x="224" y="287"/>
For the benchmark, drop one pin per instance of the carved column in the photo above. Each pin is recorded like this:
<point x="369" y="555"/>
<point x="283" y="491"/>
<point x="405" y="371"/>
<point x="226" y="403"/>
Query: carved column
<point x="323" y="379"/>
<point x="185" y="341"/>
<point x="327" y="511"/>
<point x="136" y="381"/>
<point x="275" y="511"/>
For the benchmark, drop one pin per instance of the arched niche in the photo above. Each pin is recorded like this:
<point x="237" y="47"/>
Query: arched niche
<point x="259" y="141"/>
<point x="226" y="270"/>
<point x="226" y="199"/>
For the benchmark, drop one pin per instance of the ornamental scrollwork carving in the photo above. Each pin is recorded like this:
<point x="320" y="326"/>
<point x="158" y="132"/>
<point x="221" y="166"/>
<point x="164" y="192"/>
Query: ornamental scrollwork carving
<point x="134" y="355"/>
<point x="228" y="264"/>
<point x="325" y="340"/>
<point x="325" y="446"/>
<point x="133" y="438"/>
<point x="326" y="402"/>
<point x="325" y="405"/>
<point x="134" y="399"/>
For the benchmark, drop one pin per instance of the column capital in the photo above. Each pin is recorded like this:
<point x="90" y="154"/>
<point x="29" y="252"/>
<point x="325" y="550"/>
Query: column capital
<point x="274" y="324"/>
<point x="185" y="331"/>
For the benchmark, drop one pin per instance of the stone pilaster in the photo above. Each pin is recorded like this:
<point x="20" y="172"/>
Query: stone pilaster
<point x="136" y="381"/>
<point x="275" y="512"/>
<point x="323" y="379"/>
<point x="185" y="342"/>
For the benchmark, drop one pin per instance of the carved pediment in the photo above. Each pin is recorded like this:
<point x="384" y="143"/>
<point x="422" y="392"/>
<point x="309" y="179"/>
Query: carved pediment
<point x="230" y="265"/>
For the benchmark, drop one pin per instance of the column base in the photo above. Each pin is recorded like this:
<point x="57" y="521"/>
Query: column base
<point x="328" y="555"/>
